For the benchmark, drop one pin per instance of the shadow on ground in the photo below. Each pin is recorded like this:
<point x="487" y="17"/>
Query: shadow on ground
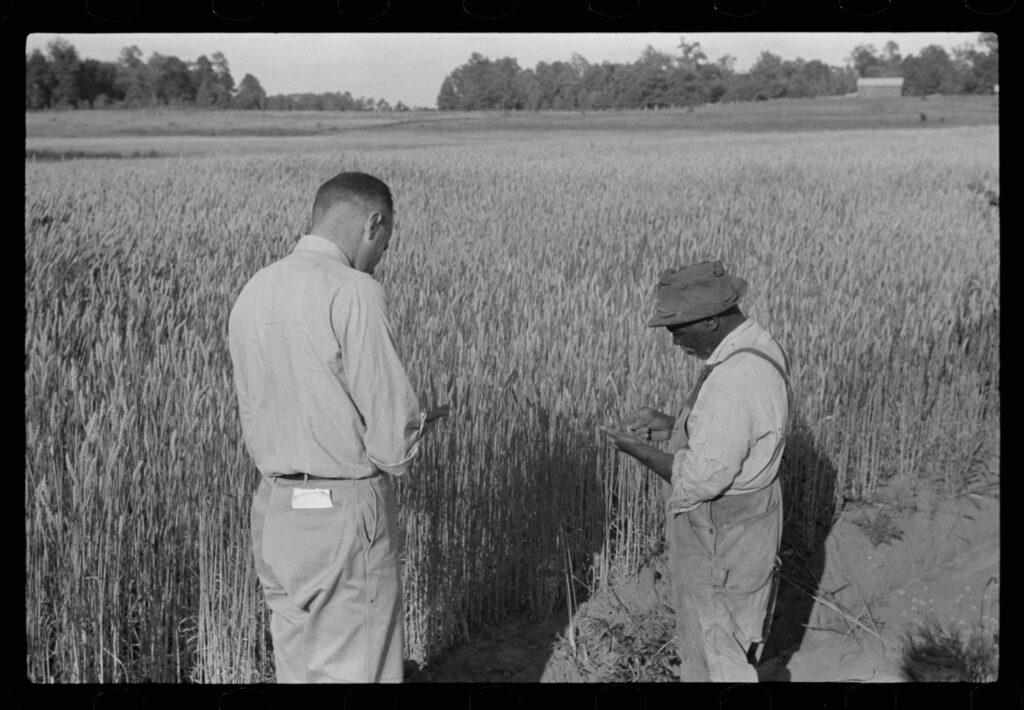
<point x="518" y="645"/>
<point x="806" y="474"/>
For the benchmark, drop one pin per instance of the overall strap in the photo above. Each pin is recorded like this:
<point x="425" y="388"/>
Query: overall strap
<point x="692" y="398"/>
<point x="761" y="354"/>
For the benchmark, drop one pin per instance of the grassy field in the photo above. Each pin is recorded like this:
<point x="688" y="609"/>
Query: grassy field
<point x="520" y="280"/>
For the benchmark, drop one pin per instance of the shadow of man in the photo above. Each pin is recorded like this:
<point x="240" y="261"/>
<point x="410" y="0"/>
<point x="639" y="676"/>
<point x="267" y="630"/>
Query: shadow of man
<point x="539" y="565"/>
<point x="808" y="488"/>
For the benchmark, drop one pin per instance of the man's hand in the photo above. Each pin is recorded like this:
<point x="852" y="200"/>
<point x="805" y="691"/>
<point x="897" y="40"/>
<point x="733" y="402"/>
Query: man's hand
<point x="650" y="424"/>
<point x="623" y="441"/>
<point x="653" y="458"/>
<point x="436" y="413"/>
<point x="428" y="418"/>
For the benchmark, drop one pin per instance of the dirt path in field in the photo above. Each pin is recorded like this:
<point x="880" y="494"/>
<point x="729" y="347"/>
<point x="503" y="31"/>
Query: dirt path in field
<point x="626" y="636"/>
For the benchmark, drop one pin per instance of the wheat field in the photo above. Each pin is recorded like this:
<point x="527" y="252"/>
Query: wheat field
<point x="520" y="280"/>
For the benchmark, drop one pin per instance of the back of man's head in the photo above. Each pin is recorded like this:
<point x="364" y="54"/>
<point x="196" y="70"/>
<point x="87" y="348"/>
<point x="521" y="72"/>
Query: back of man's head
<point x="349" y="190"/>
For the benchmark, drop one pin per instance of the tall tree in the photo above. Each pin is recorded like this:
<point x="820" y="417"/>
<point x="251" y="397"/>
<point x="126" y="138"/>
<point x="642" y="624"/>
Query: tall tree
<point x="447" y="99"/>
<point x="204" y="82"/>
<point x="133" y="78"/>
<point x="693" y="80"/>
<point x="39" y="81"/>
<point x="170" y="81"/>
<point x="527" y="87"/>
<point x="505" y="86"/>
<point x="65" y="65"/>
<point x="250" y="94"/>
<point x="891" y="58"/>
<point x="930" y="72"/>
<point x="98" y="83"/>
<point x="818" y="77"/>
<point x="626" y="90"/>
<point x="769" y="75"/>
<point x="482" y="83"/>
<point x="866" y="61"/>
<point x="654" y="68"/>
<point x="224" y="89"/>
<point x="596" y="90"/>
<point x="726" y="63"/>
<point x="691" y="56"/>
<point x="986" y="62"/>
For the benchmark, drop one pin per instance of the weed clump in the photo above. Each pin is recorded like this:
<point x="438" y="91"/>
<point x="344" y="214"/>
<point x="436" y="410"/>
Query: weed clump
<point x="934" y="653"/>
<point x="880" y="527"/>
<point x="629" y="648"/>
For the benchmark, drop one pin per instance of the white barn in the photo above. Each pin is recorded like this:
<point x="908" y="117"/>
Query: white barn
<point x="880" y="87"/>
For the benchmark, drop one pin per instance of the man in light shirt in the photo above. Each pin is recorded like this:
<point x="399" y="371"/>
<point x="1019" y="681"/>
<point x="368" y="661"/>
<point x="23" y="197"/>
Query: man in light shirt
<point x="328" y="416"/>
<point x="724" y="512"/>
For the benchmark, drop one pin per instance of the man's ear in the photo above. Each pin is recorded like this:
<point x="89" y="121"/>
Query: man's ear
<point x="373" y="222"/>
<point x="712" y="323"/>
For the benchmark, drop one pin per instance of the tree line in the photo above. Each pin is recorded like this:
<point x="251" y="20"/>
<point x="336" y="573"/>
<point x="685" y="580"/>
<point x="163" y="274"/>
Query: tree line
<point x="662" y="80"/>
<point x="60" y="78"/>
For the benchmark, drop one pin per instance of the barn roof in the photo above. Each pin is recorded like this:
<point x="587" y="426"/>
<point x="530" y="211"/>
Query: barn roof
<point x="880" y="81"/>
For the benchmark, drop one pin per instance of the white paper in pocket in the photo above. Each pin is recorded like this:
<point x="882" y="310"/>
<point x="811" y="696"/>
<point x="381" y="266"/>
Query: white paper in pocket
<point x="311" y="498"/>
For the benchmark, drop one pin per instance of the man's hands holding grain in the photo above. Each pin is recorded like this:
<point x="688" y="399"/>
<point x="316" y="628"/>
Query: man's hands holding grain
<point x="648" y="423"/>
<point x="643" y="425"/>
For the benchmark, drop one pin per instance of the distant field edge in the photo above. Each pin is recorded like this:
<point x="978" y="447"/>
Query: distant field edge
<point x="49" y="156"/>
<point x="775" y="115"/>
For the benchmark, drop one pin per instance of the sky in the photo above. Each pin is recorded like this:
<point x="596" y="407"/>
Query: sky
<point x="409" y="67"/>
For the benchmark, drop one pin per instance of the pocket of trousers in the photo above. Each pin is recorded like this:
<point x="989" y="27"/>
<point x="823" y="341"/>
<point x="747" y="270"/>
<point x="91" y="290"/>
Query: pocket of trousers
<point x="369" y="522"/>
<point x="297" y="540"/>
<point x="369" y="516"/>
<point x="750" y="549"/>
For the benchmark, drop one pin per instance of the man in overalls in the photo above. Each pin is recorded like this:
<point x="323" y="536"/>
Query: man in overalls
<point x="724" y="511"/>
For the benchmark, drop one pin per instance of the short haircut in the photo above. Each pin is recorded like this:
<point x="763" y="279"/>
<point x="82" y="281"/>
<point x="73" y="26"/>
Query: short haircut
<point x="359" y="189"/>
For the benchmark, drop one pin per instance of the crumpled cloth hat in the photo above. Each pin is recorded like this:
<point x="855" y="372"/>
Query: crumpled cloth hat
<point x="694" y="292"/>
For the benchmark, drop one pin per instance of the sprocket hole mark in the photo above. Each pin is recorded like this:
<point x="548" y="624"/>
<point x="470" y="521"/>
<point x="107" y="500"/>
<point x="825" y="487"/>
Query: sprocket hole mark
<point x="237" y="10"/>
<point x="364" y="9"/>
<point x="488" y="9"/>
<point x="864" y="8"/>
<point x="614" y="8"/>
<point x="739" y="8"/>
<point x="243" y="699"/>
<point x="111" y="10"/>
<point x="990" y="7"/>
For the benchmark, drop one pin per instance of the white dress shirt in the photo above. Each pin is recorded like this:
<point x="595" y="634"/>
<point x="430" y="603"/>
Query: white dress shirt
<point x="320" y="386"/>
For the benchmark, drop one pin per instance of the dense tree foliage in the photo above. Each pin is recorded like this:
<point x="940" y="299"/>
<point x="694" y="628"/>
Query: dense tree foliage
<point x="659" y="80"/>
<point x="60" y="78"/>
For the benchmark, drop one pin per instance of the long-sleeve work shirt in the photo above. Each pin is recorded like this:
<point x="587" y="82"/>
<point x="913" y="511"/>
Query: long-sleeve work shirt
<point x="736" y="430"/>
<point x="320" y="387"/>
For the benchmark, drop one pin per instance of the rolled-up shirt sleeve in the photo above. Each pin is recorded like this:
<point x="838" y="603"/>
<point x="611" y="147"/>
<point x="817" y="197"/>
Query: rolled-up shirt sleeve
<point x="376" y="380"/>
<point x="720" y="437"/>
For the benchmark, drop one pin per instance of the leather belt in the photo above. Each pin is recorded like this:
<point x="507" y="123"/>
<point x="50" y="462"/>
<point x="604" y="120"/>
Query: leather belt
<point x="310" y="477"/>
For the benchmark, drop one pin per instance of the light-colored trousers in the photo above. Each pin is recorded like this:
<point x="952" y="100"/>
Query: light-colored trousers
<point x="723" y="562"/>
<point x="332" y="580"/>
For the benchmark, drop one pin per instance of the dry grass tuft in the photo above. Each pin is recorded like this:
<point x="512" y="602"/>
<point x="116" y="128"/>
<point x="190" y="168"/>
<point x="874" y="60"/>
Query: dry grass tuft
<point x="936" y="653"/>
